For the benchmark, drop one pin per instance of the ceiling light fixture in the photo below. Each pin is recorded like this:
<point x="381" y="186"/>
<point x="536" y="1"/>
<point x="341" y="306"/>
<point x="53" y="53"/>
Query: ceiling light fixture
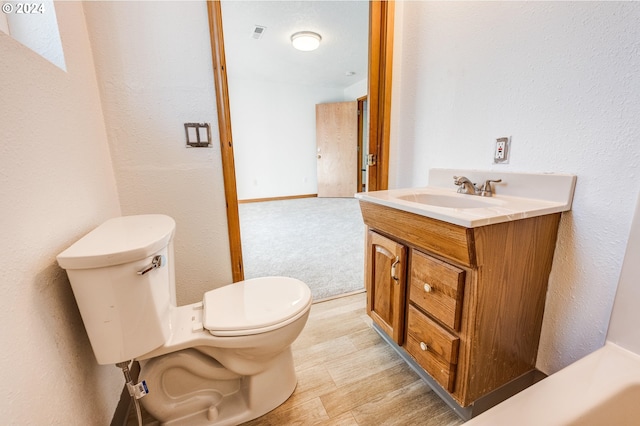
<point x="306" y="40"/>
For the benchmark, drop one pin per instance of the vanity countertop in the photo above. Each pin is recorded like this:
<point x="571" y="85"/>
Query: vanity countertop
<point x="518" y="196"/>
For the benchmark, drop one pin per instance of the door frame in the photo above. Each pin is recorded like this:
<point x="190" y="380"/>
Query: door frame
<point x="214" y="11"/>
<point x="381" y="18"/>
<point x="381" y="14"/>
<point x="361" y="186"/>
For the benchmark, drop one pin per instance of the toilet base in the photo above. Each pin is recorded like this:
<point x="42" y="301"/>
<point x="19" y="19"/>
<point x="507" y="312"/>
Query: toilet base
<point x="189" y="387"/>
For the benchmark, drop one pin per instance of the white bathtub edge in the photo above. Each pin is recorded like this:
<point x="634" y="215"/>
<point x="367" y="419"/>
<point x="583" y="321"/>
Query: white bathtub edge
<point x="571" y="392"/>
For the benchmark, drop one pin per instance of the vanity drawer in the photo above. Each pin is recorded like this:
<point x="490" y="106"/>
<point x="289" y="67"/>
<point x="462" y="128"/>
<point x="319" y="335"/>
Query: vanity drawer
<point x="433" y="347"/>
<point x="437" y="288"/>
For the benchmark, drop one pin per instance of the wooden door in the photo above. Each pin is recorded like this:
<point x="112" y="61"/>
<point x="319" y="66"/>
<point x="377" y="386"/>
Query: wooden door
<point x="337" y="149"/>
<point x="385" y="267"/>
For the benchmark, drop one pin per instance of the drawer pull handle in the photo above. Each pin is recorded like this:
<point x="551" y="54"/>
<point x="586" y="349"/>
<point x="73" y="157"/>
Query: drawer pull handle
<point x="428" y="288"/>
<point x="424" y="346"/>
<point x="393" y="269"/>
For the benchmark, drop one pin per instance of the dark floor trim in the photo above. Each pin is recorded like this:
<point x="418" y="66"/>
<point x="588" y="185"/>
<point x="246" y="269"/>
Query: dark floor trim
<point x="339" y="296"/>
<point x="479" y="406"/>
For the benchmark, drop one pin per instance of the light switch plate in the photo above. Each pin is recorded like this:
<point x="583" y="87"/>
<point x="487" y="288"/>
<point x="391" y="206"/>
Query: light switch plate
<point x="198" y="135"/>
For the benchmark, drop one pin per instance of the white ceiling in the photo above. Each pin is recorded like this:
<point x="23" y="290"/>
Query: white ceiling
<point x="343" y="26"/>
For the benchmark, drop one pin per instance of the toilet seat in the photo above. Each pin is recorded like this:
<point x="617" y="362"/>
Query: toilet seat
<point x="254" y="306"/>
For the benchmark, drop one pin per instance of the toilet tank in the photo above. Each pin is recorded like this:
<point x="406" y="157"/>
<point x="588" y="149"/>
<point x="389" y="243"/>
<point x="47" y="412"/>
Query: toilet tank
<point x="126" y="313"/>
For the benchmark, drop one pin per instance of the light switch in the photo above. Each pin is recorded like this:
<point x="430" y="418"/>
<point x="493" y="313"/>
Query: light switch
<point x="203" y="133"/>
<point x="192" y="135"/>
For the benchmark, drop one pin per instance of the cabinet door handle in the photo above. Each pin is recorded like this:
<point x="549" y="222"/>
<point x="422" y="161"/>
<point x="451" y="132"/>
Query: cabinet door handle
<point x="427" y="288"/>
<point x="393" y="269"/>
<point x="424" y="346"/>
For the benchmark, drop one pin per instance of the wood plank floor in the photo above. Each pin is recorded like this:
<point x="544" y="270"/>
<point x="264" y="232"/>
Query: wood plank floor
<point x="347" y="375"/>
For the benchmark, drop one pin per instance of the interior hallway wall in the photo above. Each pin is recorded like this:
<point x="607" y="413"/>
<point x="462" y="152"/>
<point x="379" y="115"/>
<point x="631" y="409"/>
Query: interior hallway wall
<point x="56" y="184"/>
<point x="274" y="134"/>
<point x="356" y="90"/>
<point x="153" y="62"/>
<point x="562" y="79"/>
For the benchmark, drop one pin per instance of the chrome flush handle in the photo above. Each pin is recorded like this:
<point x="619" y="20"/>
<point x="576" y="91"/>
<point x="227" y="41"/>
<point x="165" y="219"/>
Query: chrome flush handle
<point x="157" y="262"/>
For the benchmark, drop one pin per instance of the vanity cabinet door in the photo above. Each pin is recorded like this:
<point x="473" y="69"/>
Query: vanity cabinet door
<point x="385" y="279"/>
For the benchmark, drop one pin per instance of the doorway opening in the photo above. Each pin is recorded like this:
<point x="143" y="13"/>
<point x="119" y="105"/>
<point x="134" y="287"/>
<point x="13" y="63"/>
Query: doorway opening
<point x="378" y="95"/>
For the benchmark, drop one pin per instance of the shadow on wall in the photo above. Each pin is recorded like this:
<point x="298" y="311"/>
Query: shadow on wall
<point x="565" y="262"/>
<point x="55" y="303"/>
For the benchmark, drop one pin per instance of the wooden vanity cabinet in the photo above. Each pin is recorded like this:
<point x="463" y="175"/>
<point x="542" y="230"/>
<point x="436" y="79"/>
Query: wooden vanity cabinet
<point x="467" y="304"/>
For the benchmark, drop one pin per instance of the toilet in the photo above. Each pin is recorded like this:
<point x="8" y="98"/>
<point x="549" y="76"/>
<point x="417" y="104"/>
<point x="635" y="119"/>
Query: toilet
<point x="222" y="361"/>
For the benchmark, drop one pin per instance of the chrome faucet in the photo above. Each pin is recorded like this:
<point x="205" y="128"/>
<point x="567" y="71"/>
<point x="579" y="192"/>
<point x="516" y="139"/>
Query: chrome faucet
<point x="467" y="187"/>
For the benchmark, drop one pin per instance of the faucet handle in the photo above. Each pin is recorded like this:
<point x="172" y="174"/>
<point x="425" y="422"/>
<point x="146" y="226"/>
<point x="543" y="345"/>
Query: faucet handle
<point x="486" y="190"/>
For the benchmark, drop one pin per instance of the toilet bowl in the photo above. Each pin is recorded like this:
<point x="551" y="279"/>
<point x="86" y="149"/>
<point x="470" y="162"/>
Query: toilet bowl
<point x="222" y="361"/>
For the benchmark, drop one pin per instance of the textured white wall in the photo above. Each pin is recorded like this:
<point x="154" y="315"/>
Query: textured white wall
<point x="356" y="90"/>
<point x="153" y="62"/>
<point x="274" y="134"/>
<point x="562" y="79"/>
<point x="56" y="184"/>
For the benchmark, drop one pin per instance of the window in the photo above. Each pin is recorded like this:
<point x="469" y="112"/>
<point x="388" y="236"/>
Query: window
<point x="34" y="25"/>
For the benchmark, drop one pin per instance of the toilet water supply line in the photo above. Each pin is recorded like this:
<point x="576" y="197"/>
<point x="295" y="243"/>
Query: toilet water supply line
<point x="136" y="391"/>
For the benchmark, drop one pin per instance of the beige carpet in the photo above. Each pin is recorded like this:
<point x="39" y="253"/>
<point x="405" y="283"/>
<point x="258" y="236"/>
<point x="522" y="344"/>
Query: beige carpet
<point x="317" y="240"/>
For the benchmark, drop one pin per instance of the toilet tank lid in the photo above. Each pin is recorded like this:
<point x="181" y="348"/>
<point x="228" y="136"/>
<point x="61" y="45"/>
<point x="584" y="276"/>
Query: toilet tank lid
<point x="119" y="240"/>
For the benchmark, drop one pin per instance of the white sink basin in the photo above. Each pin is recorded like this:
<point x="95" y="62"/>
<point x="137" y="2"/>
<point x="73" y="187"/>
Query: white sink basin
<point x="519" y="196"/>
<point x="457" y="201"/>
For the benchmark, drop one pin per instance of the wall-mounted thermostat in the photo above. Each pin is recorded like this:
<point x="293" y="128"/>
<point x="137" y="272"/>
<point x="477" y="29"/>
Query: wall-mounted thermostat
<point x="198" y="135"/>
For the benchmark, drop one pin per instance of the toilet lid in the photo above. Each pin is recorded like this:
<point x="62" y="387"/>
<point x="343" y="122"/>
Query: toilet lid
<point x="252" y="306"/>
